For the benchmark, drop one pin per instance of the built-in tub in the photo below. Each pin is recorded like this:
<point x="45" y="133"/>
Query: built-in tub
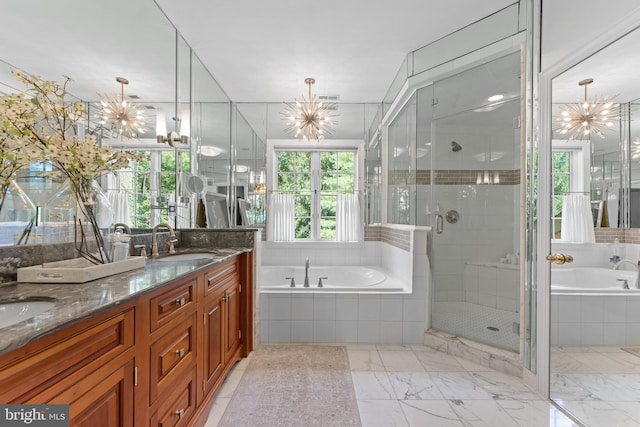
<point x="592" y="280"/>
<point x="589" y="306"/>
<point x="338" y="279"/>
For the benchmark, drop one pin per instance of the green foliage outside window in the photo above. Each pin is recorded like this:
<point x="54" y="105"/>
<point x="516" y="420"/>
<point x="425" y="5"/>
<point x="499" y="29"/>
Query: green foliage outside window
<point x="336" y="175"/>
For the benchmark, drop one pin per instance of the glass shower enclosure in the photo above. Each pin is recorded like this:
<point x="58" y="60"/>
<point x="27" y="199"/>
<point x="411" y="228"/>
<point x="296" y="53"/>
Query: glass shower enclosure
<point x="454" y="163"/>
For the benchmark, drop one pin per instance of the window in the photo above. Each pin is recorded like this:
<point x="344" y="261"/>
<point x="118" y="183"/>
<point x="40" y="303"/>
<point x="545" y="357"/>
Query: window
<point x="570" y="175"/>
<point x="315" y="179"/>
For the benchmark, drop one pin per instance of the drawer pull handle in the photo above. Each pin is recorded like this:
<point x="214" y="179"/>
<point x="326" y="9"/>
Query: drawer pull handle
<point x="180" y="302"/>
<point x="180" y="413"/>
<point x="180" y="352"/>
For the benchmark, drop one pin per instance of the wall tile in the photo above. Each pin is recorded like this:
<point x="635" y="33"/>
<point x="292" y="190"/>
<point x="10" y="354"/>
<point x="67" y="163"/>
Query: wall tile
<point x="324" y="331"/>
<point x="302" y="331"/>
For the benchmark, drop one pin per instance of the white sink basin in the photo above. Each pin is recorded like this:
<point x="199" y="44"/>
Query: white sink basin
<point x="186" y="257"/>
<point x="17" y="311"/>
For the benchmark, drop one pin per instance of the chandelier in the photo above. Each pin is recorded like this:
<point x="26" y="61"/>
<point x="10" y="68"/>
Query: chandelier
<point x="581" y="120"/>
<point x="309" y="119"/>
<point x="117" y="115"/>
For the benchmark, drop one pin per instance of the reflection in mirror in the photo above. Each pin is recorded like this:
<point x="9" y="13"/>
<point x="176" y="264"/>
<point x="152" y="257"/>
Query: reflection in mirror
<point x="594" y="334"/>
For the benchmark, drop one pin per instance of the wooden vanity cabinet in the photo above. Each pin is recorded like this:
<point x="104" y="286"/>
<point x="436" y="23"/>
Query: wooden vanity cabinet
<point x="90" y="366"/>
<point x="156" y="360"/>
<point x="222" y="325"/>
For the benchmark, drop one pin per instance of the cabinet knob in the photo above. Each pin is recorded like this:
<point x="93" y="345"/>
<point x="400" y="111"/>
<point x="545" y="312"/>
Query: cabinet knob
<point x="180" y="352"/>
<point x="180" y="413"/>
<point x="181" y="302"/>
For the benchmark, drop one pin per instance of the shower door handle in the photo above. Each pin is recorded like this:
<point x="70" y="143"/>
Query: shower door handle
<point x="439" y="223"/>
<point x="559" y="258"/>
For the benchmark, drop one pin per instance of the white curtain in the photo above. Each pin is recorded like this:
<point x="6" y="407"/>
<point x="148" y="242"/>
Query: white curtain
<point x="577" y="219"/>
<point x="281" y="214"/>
<point x="347" y="218"/>
<point x="120" y="206"/>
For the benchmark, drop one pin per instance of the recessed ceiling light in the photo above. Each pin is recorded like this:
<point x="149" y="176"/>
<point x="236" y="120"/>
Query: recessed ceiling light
<point x="496" y="97"/>
<point x="209" y="151"/>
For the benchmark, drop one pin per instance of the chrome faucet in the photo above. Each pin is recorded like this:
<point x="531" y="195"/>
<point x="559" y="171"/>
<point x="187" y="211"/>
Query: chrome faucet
<point x="125" y="227"/>
<point x="154" y="240"/>
<point x="628" y="261"/>
<point x="306" y="273"/>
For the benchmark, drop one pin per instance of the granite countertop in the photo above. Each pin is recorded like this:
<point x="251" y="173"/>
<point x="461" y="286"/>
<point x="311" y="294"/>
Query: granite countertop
<point x="74" y="302"/>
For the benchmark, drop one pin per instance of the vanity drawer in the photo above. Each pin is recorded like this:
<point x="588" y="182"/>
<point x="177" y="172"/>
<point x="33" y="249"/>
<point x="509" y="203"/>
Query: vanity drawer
<point x="179" y="405"/>
<point x="170" y="355"/>
<point x="171" y="303"/>
<point x="219" y="274"/>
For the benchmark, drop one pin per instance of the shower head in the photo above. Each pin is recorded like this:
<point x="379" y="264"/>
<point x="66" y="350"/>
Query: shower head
<point x="455" y="147"/>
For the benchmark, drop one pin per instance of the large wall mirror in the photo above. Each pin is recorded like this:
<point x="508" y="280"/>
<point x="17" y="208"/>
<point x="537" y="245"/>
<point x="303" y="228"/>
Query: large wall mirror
<point x="595" y="334"/>
<point x="186" y="144"/>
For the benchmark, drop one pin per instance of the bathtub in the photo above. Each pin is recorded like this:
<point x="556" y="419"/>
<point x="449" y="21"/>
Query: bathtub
<point x="592" y="280"/>
<point x="336" y="279"/>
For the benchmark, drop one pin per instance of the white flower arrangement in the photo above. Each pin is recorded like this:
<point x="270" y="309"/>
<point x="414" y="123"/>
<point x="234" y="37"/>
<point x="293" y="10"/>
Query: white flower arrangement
<point x="41" y="125"/>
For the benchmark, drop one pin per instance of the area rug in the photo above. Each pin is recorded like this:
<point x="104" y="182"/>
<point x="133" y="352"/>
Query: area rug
<point x="294" y="385"/>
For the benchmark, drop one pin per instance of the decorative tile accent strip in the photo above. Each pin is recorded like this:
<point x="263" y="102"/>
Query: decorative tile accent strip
<point x="631" y="235"/>
<point x="398" y="238"/>
<point x="608" y="235"/>
<point x="372" y="233"/>
<point x="452" y="177"/>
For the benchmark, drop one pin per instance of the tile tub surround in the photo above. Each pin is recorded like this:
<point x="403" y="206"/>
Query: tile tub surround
<point x="74" y="302"/>
<point x="350" y="318"/>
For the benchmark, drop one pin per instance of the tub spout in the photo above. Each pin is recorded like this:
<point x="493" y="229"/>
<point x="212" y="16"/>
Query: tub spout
<point x="636" y="266"/>
<point x="306" y="273"/>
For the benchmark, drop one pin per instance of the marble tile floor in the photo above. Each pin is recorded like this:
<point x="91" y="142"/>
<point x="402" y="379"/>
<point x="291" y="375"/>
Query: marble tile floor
<point x="599" y="385"/>
<point x="420" y="386"/>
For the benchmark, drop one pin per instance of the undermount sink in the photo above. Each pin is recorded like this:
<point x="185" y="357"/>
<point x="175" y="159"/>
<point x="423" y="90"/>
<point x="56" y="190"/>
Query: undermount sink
<point x="187" y="257"/>
<point x="12" y="312"/>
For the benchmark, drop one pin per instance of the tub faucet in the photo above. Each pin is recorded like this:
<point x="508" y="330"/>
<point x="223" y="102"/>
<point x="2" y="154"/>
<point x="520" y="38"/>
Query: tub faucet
<point x="306" y="273"/>
<point x="154" y="239"/>
<point x="124" y="227"/>
<point x="628" y="261"/>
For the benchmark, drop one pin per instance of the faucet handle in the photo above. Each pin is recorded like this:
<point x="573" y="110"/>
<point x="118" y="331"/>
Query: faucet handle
<point x="172" y="249"/>
<point x="293" y="282"/>
<point x="320" y="285"/>
<point x="615" y="258"/>
<point x="143" y="249"/>
<point x="625" y="284"/>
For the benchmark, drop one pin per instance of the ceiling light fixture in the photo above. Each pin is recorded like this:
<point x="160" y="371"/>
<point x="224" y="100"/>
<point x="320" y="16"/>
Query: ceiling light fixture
<point x="581" y="120"/>
<point x="117" y="115"/>
<point x="309" y="119"/>
<point x="496" y="97"/>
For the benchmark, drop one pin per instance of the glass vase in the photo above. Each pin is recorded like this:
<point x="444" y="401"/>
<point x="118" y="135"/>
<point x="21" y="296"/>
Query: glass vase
<point x="80" y="212"/>
<point x="17" y="215"/>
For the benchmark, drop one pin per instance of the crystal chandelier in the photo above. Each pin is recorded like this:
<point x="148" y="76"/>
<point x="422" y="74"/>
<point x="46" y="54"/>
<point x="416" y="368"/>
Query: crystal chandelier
<point x="117" y="115"/>
<point x="593" y="116"/>
<point x="309" y="119"/>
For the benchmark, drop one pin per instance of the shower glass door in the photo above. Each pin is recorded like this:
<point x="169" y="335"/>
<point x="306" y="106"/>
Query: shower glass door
<point x="469" y="124"/>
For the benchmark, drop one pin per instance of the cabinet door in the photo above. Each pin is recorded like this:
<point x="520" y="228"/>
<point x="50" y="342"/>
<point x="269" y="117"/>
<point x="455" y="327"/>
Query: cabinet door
<point x="106" y="401"/>
<point x="214" y="339"/>
<point x="232" y="305"/>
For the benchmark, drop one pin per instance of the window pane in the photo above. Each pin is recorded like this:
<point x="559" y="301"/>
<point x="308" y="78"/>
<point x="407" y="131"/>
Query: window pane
<point x="346" y="161"/>
<point x="303" y="206"/>
<point x="345" y="183"/>
<point x="285" y="161"/>
<point x="303" y="182"/>
<point x="328" y="161"/>
<point x="329" y="182"/>
<point x="561" y="161"/>
<point x="303" y="161"/>
<point x="557" y="207"/>
<point x="303" y="228"/>
<point x="328" y="228"/>
<point x="561" y="185"/>
<point x="328" y="206"/>
<point x="286" y="182"/>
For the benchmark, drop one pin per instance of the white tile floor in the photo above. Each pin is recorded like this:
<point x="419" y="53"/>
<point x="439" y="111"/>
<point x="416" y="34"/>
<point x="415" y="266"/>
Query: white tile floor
<point x="600" y="385"/>
<point x="419" y="386"/>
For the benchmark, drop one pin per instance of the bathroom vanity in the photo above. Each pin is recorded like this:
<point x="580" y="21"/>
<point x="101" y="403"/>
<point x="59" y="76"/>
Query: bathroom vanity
<point x="148" y="347"/>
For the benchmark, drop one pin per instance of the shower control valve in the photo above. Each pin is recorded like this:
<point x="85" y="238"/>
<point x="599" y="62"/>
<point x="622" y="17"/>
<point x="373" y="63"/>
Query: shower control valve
<point x="614" y="259"/>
